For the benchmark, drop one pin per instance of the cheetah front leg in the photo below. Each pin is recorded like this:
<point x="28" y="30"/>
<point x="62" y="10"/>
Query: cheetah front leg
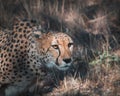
<point x="13" y="91"/>
<point x="16" y="89"/>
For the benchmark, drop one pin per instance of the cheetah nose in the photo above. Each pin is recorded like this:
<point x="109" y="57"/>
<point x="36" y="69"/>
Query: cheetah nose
<point x="67" y="60"/>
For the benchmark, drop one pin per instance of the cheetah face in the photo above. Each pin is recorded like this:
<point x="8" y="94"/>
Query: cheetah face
<point x="56" y="49"/>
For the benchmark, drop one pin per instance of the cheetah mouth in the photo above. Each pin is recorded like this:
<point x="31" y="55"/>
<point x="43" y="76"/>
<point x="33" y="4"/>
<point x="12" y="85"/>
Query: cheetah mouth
<point x="64" y="67"/>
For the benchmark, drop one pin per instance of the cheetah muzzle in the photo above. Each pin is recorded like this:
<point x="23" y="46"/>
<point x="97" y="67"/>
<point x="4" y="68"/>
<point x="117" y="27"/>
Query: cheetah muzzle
<point x="22" y="55"/>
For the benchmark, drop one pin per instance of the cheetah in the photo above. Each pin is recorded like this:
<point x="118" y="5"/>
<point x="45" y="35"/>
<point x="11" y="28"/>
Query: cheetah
<point x="4" y="36"/>
<point x="23" y="55"/>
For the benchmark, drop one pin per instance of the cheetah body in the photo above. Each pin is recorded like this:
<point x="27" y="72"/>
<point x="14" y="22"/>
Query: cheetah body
<point x="23" y="55"/>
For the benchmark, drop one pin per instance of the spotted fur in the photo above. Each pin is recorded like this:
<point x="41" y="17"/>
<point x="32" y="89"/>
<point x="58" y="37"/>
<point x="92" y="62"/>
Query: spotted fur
<point x="22" y="55"/>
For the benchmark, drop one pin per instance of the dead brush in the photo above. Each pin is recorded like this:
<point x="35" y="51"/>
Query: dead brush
<point x="94" y="26"/>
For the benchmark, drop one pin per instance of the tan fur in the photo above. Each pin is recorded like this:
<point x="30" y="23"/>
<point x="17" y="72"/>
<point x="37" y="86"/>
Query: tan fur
<point x="64" y="52"/>
<point x="22" y="55"/>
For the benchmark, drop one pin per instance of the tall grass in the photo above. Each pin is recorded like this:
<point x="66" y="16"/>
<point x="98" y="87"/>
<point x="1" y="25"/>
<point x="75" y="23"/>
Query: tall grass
<point x="94" y="27"/>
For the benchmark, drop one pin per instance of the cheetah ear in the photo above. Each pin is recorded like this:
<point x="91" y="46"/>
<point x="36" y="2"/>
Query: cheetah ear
<point x="37" y="31"/>
<point x="37" y="35"/>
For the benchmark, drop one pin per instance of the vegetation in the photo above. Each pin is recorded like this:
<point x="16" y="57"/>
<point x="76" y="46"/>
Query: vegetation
<point x="94" y="26"/>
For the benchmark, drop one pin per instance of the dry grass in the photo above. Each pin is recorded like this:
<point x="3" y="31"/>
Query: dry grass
<point x="94" y="26"/>
<point x="100" y="81"/>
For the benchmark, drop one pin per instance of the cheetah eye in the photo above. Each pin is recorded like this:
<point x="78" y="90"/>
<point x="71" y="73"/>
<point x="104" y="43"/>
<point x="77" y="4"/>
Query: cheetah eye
<point x="70" y="44"/>
<point x="55" y="46"/>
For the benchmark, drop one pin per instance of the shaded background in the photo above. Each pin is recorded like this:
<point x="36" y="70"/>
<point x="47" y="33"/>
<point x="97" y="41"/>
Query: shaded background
<point x="89" y="22"/>
<point x="94" y="26"/>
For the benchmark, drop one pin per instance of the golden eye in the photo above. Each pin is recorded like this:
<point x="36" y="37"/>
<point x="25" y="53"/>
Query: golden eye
<point x="70" y="44"/>
<point x="55" y="46"/>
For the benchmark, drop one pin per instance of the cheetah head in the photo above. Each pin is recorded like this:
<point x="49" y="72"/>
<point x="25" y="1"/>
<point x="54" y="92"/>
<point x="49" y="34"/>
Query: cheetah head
<point x="56" y="50"/>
